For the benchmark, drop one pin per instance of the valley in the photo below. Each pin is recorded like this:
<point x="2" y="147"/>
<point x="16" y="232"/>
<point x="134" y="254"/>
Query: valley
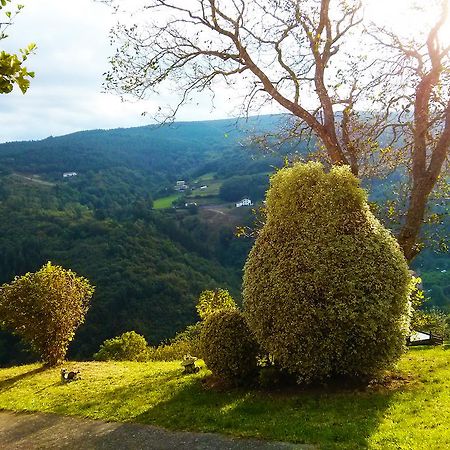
<point x="148" y="248"/>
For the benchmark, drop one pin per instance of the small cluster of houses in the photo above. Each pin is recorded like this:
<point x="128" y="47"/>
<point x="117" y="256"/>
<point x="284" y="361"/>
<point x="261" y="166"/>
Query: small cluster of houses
<point x="182" y="186"/>
<point x="69" y="174"/>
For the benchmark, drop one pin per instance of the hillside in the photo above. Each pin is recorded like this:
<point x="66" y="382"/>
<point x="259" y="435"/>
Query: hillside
<point x="148" y="265"/>
<point x="114" y="223"/>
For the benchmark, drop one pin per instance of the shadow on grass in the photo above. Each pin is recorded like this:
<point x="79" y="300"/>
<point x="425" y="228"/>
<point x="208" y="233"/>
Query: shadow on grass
<point x="326" y="419"/>
<point x="329" y="420"/>
<point x="9" y="382"/>
<point x="121" y="403"/>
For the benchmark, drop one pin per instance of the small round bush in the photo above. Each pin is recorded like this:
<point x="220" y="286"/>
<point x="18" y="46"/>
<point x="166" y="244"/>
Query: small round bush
<point x="228" y="347"/>
<point x="129" y="346"/>
<point x="326" y="286"/>
<point x="212" y="301"/>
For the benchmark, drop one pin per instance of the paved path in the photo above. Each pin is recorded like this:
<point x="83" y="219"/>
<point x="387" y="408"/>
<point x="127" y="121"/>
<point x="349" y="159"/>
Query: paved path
<point x="49" y="431"/>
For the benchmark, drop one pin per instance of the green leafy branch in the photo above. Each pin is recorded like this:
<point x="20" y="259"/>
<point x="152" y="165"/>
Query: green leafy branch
<point x="12" y="70"/>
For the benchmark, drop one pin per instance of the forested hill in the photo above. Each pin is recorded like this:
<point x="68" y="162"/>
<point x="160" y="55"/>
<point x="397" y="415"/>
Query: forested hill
<point x="164" y="152"/>
<point x="148" y="265"/>
<point x="113" y="221"/>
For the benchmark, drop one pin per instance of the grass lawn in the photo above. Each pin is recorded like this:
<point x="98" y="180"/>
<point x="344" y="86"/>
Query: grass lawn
<point x="165" y="202"/>
<point x="415" y="415"/>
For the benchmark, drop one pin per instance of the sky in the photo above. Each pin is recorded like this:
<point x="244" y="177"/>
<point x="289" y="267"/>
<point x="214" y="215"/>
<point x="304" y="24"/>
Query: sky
<point x="72" y="55"/>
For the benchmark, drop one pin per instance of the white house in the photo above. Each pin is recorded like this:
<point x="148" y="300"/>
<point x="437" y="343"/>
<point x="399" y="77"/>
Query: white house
<point x="181" y="186"/>
<point x="204" y="187"/>
<point x="69" y="174"/>
<point x="244" y="202"/>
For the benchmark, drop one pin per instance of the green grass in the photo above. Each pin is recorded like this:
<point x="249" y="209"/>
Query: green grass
<point x="165" y="202"/>
<point x="414" y="415"/>
<point x="212" y="189"/>
<point x="206" y="177"/>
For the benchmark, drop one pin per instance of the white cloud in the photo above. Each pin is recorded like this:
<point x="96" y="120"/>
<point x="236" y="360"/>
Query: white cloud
<point x="72" y="55"/>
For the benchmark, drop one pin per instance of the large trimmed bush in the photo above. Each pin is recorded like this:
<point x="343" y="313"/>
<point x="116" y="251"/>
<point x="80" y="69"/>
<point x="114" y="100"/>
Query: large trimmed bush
<point x="325" y="285"/>
<point x="228" y="347"/>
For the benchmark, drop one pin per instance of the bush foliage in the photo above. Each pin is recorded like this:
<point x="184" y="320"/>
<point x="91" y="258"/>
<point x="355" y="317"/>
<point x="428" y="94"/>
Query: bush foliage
<point x="185" y="342"/>
<point x="129" y="346"/>
<point x="212" y="301"/>
<point x="325" y="285"/>
<point x="45" y="308"/>
<point x="228" y="347"/>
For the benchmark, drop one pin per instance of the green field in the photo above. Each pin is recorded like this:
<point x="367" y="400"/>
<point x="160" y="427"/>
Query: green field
<point x="165" y="202"/>
<point x="212" y="189"/>
<point x="206" y="177"/>
<point x="411" y="412"/>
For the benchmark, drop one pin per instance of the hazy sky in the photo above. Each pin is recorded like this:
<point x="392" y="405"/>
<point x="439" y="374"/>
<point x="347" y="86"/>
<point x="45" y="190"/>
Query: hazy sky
<point x="73" y="47"/>
<point x="66" y="95"/>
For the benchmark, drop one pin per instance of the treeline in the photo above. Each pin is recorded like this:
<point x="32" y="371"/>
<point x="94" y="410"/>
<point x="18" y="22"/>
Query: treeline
<point x="252" y="186"/>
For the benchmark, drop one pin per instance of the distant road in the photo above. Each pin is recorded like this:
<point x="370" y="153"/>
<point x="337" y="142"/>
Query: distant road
<point x="34" y="180"/>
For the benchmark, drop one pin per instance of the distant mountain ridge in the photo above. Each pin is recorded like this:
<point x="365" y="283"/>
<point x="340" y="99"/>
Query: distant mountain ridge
<point x="182" y="146"/>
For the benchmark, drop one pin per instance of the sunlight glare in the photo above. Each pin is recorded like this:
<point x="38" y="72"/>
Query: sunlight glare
<point x="409" y="19"/>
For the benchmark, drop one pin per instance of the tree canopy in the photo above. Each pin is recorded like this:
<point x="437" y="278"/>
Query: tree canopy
<point x="12" y="68"/>
<point x="375" y="110"/>
<point x="148" y="266"/>
<point x="211" y="301"/>
<point x="45" y="308"/>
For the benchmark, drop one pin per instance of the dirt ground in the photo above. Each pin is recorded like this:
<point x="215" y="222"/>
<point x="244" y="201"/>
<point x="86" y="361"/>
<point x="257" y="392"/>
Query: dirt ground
<point x="29" y="431"/>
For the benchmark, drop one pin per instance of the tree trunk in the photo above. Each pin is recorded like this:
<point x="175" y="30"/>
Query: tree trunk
<point x="409" y="234"/>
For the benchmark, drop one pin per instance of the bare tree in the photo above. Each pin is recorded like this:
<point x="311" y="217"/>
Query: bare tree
<point x="425" y="91"/>
<point x="309" y="57"/>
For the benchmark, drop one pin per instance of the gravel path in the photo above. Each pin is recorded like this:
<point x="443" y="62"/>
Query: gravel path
<point x="29" y="431"/>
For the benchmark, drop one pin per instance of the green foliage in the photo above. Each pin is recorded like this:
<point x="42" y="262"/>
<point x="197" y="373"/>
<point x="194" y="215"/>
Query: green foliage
<point x="171" y="352"/>
<point x="137" y="261"/>
<point x="228" y="347"/>
<point x="431" y="321"/>
<point x="45" y="308"/>
<point x="237" y="187"/>
<point x="101" y="223"/>
<point x="325" y="285"/>
<point x="185" y="342"/>
<point x="191" y="336"/>
<point x="129" y="346"/>
<point x="270" y="377"/>
<point x="12" y="70"/>
<point x="416" y="296"/>
<point x="190" y="333"/>
<point x="211" y="301"/>
<point x="424" y="318"/>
